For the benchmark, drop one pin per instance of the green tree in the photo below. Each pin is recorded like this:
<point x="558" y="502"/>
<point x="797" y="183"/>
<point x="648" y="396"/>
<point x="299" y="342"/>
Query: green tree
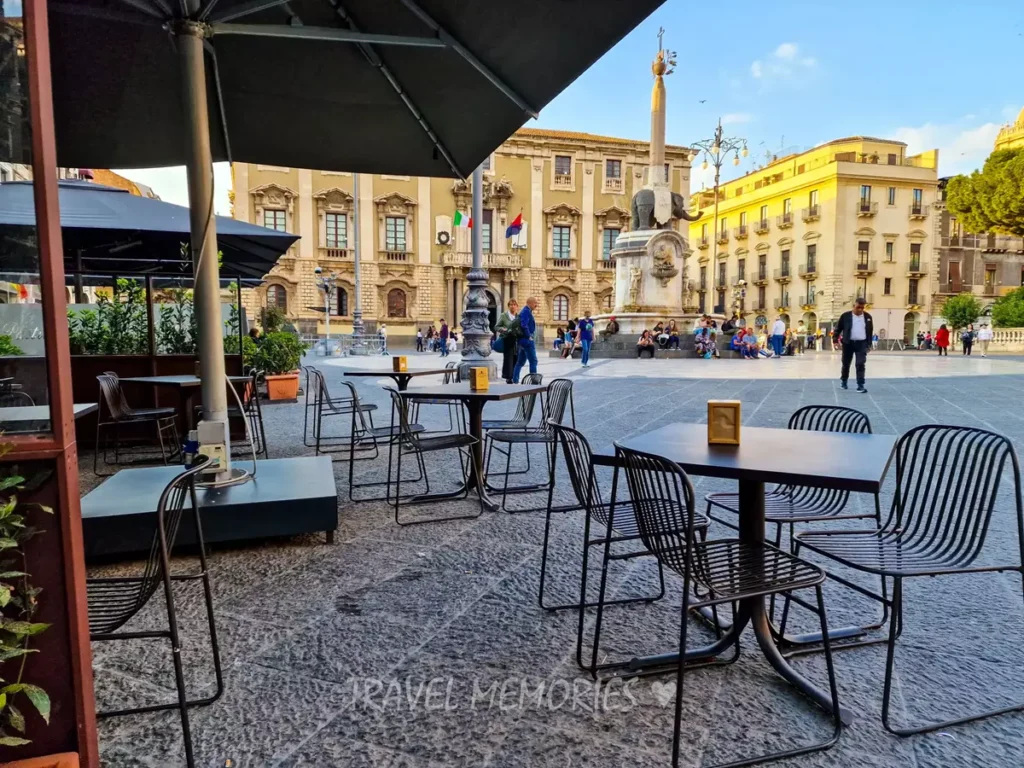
<point x="1008" y="310"/>
<point x="961" y="310"/>
<point x="991" y="200"/>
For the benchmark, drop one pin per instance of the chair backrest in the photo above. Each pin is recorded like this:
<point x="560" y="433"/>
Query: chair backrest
<point x="364" y="426"/>
<point x="579" y="461"/>
<point x="112" y="394"/>
<point x="14" y="399"/>
<point x="308" y="390"/>
<point x="113" y="603"/>
<point x="559" y="394"/>
<point x="830" y="418"/>
<point x="526" y="405"/>
<point x="947" y="481"/>
<point x="663" y="502"/>
<point x="401" y="408"/>
<point x="452" y="374"/>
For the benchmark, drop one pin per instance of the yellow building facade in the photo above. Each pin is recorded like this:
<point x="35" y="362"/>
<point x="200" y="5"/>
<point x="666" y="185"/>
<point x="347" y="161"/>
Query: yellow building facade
<point x="1011" y="135"/>
<point x="805" y="235"/>
<point x="572" y="189"/>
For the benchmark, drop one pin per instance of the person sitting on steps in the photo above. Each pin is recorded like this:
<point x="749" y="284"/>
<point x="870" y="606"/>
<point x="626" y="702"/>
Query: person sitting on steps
<point x="645" y="344"/>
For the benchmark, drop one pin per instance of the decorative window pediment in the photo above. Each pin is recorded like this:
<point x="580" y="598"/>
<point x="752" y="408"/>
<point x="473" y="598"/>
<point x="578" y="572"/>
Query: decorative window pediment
<point x="273" y="196"/>
<point x="762" y="247"/>
<point x="612" y="217"/>
<point x="917" y="234"/>
<point x="742" y="252"/>
<point x="562" y="214"/>
<point x="496" y="194"/>
<point x="812" y="237"/>
<point x="333" y="200"/>
<point x="785" y="242"/>
<point x="865" y="232"/>
<point x="395" y="204"/>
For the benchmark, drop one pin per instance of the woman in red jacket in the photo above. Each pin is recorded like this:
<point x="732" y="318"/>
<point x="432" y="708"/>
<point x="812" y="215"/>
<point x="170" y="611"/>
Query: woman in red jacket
<point x="942" y="340"/>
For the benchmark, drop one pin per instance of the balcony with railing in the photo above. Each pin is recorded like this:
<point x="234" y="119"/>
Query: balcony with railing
<point x="703" y="243"/>
<point x="491" y="260"/>
<point x="761" y="227"/>
<point x="989" y="289"/>
<point x="740" y="233"/>
<point x="811" y="213"/>
<point x="560" y="261"/>
<point x="337" y="254"/>
<point x="954" y="287"/>
<point x="865" y="267"/>
<point x="739" y="277"/>
<point x="606" y="265"/>
<point x="722" y="238"/>
<point x="563" y="181"/>
<point x="867" y="208"/>
<point x="760" y="277"/>
<point x="915" y="267"/>
<point x="783" y="274"/>
<point x="810" y="300"/>
<point x="808" y="270"/>
<point x="758" y="305"/>
<point x="784" y="221"/>
<point x="402" y="255"/>
<point x="869" y="298"/>
<point x="918" y="211"/>
<point x="913" y="300"/>
<point x="963" y="241"/>
<point x="782" y="303"/>
<point x="612" y="185"/>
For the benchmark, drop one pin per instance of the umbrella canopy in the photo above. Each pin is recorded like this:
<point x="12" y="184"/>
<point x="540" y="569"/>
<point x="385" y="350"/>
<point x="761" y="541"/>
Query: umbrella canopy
<point x="411" y="87"/>
<point x="114" y="232"/>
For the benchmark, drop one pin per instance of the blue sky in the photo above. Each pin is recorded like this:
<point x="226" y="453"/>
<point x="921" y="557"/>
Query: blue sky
<point x="792" y="74"/>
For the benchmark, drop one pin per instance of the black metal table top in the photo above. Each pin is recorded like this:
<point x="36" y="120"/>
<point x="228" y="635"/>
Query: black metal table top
<point x="383" y="373"/>
<point x="184" y="382"/>
<point x="137" y="491"/>
<point x="835" y="460"/>
<point x="461" y="391"/>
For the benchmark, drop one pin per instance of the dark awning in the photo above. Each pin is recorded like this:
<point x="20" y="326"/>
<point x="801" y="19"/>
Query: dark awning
<point x="109" y="231"/>
<point x="346" y="85"/>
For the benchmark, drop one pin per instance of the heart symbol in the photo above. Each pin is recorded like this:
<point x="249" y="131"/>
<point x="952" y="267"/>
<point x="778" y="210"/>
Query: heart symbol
<point x="664" y="692"/>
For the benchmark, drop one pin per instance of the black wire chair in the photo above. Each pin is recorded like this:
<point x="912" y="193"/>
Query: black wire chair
<point x="114" y="601"/>
<point x="325" y="406"/>
<point x="250" y="412"/>
<point x="119" y="414"/>
<point x="728" y="569"/>
<point x="455" y="410"/>
<point x="525" y="406"/>
<point x="787" y="505"/>
<point x="409" y="442"/>
<point x="947" y="482"/>
<point x="617" y="522"/>
<point x="15" y="399"/>
<point x="559" y="398"/>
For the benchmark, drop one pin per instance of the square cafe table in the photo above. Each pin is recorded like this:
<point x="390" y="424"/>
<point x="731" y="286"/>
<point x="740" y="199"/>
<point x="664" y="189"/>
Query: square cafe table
<point x="186" y="385"/>
<point x="33" y="418"/>
<point x="474" y="403"/>
<point x="402" y="378"/>
<point x="834" y="460"/>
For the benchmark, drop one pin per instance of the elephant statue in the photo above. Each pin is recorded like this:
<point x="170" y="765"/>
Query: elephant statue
<point x="642" y="209"/>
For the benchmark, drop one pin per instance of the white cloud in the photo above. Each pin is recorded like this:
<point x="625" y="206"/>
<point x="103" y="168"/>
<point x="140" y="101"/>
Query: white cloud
<point x="735" y="118"/>
<point x="786" y="51"/>
<point x="784" y="64"/>
<point x="171" y="184"/>
<point x="961" y="150"/>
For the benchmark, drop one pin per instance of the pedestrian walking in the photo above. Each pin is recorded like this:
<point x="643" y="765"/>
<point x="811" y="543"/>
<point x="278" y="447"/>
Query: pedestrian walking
<point x="507" y="330"/>
<point x="778" y="339"/>
<point x="801" y="337"/>
<point x="585" y="330"/>
<point x="443" y="336"/>
<point x="382" y="334"/>
<point x="984" y="337"/>
<point x="854" y="331"/>
<point x="942" y="340"/>
<point x="527" y="340"/>
<point x="967" y="339"/>
<point x="419" y="339"/>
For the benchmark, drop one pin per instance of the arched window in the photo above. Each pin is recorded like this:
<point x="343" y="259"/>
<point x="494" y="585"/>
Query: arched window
<point x="396" y="303"/>
<point x="608" y="302"/>
<point x="339" y="302"/>
<point x="277" y="296"/>
<point x="561" y="308"/>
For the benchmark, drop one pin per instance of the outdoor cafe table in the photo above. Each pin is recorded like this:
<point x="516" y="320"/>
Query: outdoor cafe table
<point x="32" y="418"/>
<point x="401" y="378"/>
<point x="474" y="403"/>
<point x="834" y="460"/>
<point x="186" y="386"/>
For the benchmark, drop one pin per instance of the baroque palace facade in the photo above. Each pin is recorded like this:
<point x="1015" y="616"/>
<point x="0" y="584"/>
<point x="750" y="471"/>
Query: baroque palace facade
<point x="572" y="189"/>
<point x="806" y="234"/>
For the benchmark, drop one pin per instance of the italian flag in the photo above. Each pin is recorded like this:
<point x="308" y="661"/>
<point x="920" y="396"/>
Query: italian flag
<point x="461" y="220"/>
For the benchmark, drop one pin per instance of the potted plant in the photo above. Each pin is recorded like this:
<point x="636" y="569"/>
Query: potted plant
<point x="278" y="356"/>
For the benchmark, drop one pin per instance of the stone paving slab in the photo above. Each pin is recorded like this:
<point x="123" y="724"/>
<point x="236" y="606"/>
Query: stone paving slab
<point x="306" y="627"/>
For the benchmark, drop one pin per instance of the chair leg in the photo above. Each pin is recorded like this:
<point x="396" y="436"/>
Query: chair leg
<point x="677" y="723"/>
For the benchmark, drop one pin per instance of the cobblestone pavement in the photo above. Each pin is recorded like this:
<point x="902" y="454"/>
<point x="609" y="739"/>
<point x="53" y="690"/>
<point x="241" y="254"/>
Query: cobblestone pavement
<point x="425" y="646"/>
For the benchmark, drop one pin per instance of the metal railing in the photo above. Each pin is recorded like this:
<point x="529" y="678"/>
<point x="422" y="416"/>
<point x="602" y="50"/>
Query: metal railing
<point x="918" y="211"/>
<point x="783" y="273"/>
<point x="865" y="266"/>
<point x="808" y="301"/>
<point x="340" y="254"/>
<point x="915" y="266"/>
<point x="606" y="264"/>
<point x="740" y="232"/>
<point x="703" y="242"/>
<point x="559" y="263"/>
<point x="868" y="297"/>
<point x="761" y="276"/>
<point x="723" y="238"/>
<point x="341" y="344"/>
<point x="402" y="255"/>
<point x="950" y="287"/>
<point x="913" y="299"/>
<point x="811" y="213"/>
<point x="761" y="227"/>
<point x="810" y="268"/>
<point x="784" y="220"/>
<point x="867" y="208"/>
<point x="782" y="303"/>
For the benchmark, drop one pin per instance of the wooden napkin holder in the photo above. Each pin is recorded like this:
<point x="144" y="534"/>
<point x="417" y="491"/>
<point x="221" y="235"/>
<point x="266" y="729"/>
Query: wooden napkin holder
<point x="400" y="364"/>
<point x="724" y="422"/>
<point x="478" y="380"/>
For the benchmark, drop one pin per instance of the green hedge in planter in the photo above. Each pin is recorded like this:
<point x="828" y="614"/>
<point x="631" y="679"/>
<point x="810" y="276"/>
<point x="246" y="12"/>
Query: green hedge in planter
<point x="278" y="353"/>
<point x="8" y="347"/>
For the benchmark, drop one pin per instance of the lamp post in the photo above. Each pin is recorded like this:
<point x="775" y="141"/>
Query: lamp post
<point x="357" y="310"/>
<point x="715" y="151"/>
<point x="476" y="329"/>
<point x="739" y="293"/>
<point x="328" y="285"/>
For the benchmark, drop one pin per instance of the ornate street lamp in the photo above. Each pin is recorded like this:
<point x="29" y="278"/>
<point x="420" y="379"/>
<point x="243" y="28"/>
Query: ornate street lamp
<point x="328" y="285"/>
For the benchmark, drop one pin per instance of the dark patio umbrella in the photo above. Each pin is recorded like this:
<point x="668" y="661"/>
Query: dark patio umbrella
<point x="414" y="87"/>
<point x="425" y="87"/>
<point x="109" y="231"/>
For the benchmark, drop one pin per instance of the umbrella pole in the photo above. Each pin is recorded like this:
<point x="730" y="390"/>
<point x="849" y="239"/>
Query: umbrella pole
<point x="213" y="428"/>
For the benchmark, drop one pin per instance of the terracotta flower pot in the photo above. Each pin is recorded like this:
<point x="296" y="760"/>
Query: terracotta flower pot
<point x="63" y="760"/>
<point x="283" y="386"/>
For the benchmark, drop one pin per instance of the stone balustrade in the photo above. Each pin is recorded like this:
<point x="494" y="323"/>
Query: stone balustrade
<point x="491" y="260"/>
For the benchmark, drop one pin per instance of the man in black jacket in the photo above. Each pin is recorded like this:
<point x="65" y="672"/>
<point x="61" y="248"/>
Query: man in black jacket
<point x="855" y="328"/>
